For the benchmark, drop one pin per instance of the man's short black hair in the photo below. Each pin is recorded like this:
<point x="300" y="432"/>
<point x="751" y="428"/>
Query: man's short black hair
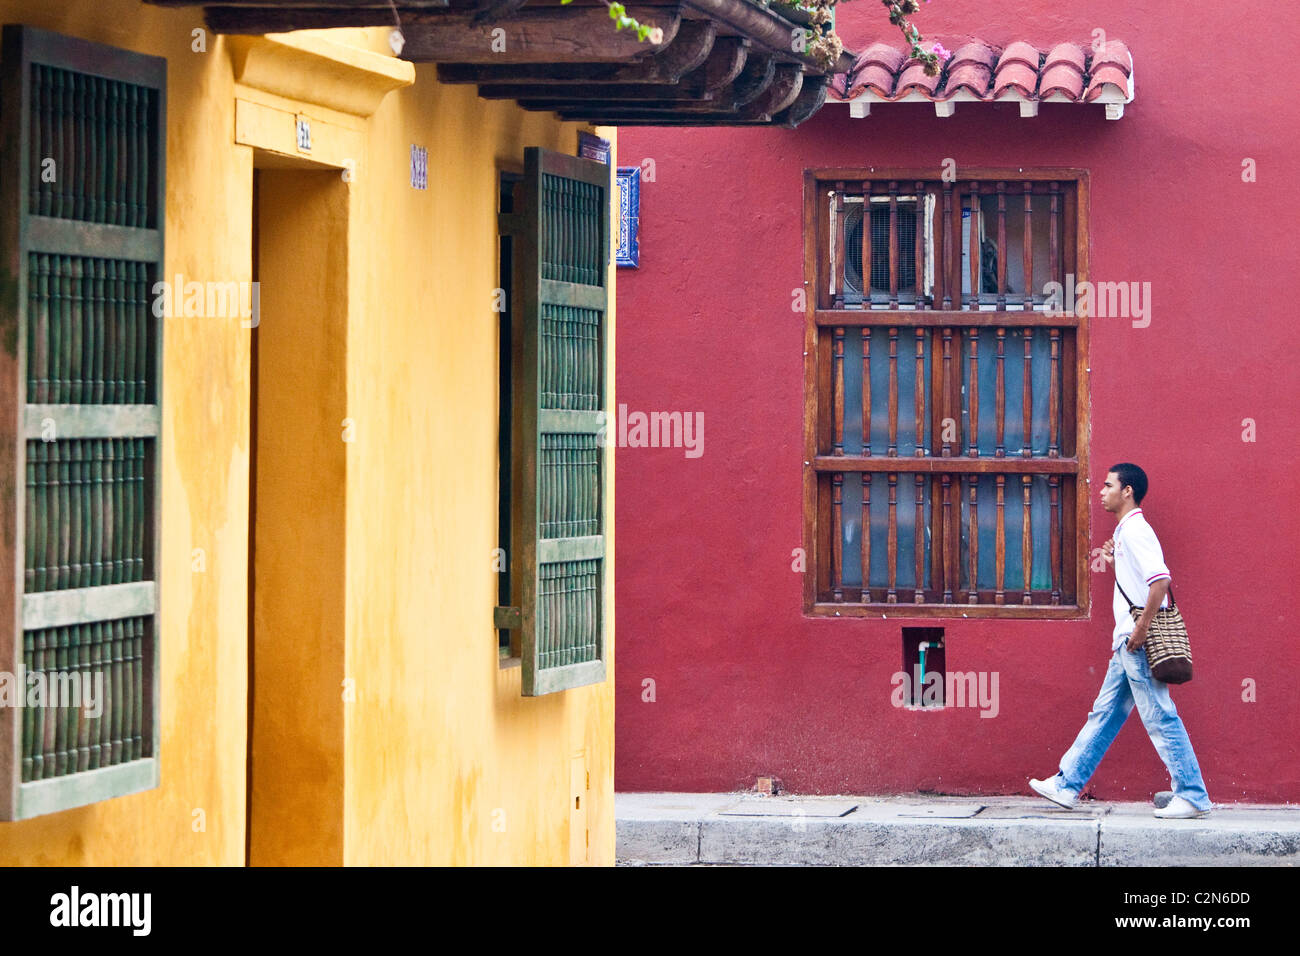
<point x="1133" y="476"/>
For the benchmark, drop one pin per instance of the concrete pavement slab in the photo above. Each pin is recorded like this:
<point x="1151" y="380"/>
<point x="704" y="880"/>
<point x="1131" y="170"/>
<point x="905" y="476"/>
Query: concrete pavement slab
<point x="928" y="830"/>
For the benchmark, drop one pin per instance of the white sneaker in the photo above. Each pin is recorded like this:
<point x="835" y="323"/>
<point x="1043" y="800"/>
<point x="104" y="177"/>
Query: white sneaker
<point x="1179" y="809"/>
<point x="1055" y="792"/>
<point x="1162" y="798"/>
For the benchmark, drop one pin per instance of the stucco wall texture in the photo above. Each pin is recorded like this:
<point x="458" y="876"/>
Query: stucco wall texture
<point x="744" y="683"/>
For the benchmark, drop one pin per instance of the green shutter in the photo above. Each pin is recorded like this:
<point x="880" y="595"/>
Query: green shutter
<point x="560" y="231"/>
<point x="81" y="246"/>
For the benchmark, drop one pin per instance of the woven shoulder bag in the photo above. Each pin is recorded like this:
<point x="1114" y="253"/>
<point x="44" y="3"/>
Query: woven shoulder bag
<point x="1169" y="651"/>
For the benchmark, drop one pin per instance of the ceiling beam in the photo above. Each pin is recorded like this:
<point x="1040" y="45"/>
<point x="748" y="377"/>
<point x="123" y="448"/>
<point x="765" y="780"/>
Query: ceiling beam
<point x="542" y="35"/>
<point x="226" y="18"/>
<point x="810" y="99"/>
<point x="577" y="93"/>
<point x="759" y="71"/>
<point x="780" y="94"/>
<point x="693" y="46"/>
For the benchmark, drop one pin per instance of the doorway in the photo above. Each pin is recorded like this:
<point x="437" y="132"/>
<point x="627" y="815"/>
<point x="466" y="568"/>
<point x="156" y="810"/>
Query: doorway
<point x="297" y="498"/>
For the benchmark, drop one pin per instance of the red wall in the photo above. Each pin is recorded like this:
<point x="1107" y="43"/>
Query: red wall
<point x="708" y="606"/>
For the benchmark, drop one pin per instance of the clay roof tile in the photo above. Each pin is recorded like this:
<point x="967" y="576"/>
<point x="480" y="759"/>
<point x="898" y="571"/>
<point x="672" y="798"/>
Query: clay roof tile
<point x="1068" y="53"/>
<point x="1115" y="54"/>
<point x="1019" y="52"/>
<point x="914" y="79"/>
<point x="1106" y="76"/>
<point x="1015" y="77"/>
<point x="1060" y="79"/>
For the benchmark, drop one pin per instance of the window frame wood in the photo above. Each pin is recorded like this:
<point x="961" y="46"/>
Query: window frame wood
<point x="818" y="527"/>
<point x="21" y="232"/>
<point x="533" y="235"/>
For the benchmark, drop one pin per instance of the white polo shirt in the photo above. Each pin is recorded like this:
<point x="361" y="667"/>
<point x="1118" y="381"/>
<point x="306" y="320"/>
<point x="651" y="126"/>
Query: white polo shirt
<point x="1139" y="563"/>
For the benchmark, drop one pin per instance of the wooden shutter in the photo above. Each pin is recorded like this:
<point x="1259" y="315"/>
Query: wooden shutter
<point x="560" y="231"/>
<point x="81" y="241"/>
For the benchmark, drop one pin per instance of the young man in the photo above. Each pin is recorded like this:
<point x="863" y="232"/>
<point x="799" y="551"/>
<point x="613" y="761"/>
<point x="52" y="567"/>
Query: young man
<point x="1140" y="570"/>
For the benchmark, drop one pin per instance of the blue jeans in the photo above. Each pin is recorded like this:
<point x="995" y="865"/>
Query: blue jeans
<point x="1128" y="682"/>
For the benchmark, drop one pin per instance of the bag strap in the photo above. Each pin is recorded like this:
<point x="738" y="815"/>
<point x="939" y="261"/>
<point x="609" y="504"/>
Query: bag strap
<point x="1172" y="602"/>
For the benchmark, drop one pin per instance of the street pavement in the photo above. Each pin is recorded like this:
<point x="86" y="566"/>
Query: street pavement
<point x="748" y="829"/>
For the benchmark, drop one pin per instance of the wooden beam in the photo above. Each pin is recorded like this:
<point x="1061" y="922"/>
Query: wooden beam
<point x="757" y="76"/>
<point x="255" y="21"/>
<point x="780" y="93"/>
<point x="487" y="10"/>
<point x="689" y="50"/>
<point x="810" y="99"/>
<point x="556" y="96"/>
<point x="729" y="56"/>
<point x="544" y="35"/>
<point x="630" y="107"/>
<point x="777" y="95"/>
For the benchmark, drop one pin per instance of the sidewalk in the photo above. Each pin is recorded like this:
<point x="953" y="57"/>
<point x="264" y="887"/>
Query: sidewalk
<point x="917" y="829"/>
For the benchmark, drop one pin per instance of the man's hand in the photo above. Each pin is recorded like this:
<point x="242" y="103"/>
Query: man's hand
<point x="1108" y="551"/>
<point x="1137" y="638"/>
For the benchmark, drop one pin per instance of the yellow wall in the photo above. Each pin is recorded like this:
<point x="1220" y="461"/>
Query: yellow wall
<point x="433" y="709"/>
<point x="442" y="760"/>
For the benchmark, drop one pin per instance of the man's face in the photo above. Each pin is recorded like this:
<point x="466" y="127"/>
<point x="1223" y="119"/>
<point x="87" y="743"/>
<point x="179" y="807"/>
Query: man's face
<point x="1112" y="497"/>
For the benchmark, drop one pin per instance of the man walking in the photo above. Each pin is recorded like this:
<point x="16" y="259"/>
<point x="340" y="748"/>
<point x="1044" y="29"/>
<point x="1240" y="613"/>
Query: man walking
<point x="1140" y="570"/>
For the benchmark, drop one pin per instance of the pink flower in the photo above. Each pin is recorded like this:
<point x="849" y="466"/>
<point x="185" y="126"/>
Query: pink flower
<point x="939" y="51"/>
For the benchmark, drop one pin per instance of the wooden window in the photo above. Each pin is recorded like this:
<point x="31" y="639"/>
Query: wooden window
<point x="946" y="415"/>
<point x="81" y="232"/>
<point x="559" y="230"/>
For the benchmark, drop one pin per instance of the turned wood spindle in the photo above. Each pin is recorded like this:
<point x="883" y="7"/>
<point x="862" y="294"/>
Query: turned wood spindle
<point x="837" y="399"/>
<point x="837" y="539"/>
<point x="918" y="539"/>
<point x="893" y="392"/>
<point x="1000" y="396"/>
<point x="1026" y="541"/>
<point x="1000" y="549"/>
<point x="1026" y="449"/>
<point x="891" y="597"/>
<point x="920" y="389"/>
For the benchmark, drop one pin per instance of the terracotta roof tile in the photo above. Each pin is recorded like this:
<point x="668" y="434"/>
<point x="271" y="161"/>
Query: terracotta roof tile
<point x="883" y="54"/>
<point x="985" y="72"/>
<point x="1115" y="54"/>
<point x="1106" y="76"/>
<point x="1019" y="52"/>
<point x="874" y="77"/>
<point x="1016" y="77"/>
<point x="975" y="77"/>
<point x="1070" y="53"/>
<point x="975" y="52"/>
<point x="915" y="80"/>
<point x="1062" y="78"/>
